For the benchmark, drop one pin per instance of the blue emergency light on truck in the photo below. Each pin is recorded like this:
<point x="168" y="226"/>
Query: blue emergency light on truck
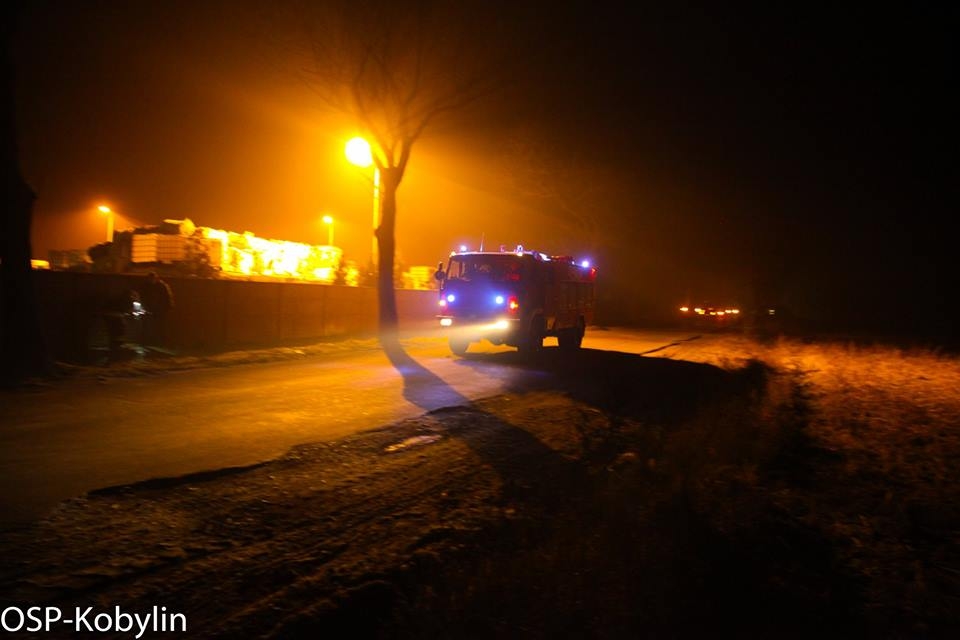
<point x="516" y="298"/>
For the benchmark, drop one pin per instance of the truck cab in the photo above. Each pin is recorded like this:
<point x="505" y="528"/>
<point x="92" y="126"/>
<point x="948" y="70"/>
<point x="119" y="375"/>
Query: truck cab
<point x="516" y="298"/>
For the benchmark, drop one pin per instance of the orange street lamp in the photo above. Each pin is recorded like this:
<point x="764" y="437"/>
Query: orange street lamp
<point x="107" y="211"/>
<point x="328" y="220"/>
<point x="359" y="153"/>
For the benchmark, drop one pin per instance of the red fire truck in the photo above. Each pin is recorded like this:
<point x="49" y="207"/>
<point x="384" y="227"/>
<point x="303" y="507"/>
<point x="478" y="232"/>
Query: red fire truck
<point x="516" y="298"/>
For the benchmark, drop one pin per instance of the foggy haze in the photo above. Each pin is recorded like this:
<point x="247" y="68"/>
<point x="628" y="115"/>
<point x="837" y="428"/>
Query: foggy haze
<point x="777" y="156"/>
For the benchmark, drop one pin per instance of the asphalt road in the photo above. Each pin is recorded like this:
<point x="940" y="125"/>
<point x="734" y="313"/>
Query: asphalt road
<point x="61" y="441"/>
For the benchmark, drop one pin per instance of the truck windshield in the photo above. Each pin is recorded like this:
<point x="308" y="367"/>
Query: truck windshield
<point x="494" y="268"/>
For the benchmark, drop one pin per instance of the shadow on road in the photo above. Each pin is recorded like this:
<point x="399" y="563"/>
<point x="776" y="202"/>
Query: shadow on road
<point x="656" y="390"/>
<point x="523" y="462"/>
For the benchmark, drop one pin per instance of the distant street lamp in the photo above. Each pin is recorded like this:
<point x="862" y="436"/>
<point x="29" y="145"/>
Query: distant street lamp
<point x="328" y="220"/>
<point x="107" y="211"/>
<point x="359" y="153"/>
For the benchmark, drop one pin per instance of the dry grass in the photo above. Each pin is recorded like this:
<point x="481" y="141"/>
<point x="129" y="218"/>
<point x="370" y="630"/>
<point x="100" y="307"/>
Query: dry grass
<point x="810" y="490"/>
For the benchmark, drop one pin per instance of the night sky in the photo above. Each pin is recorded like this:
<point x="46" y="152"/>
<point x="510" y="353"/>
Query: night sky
<point x="793" y="155"/>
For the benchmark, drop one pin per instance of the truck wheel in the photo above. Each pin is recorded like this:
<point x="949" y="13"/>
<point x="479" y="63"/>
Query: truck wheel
<point x="532" y="342"/>
<point x="459" y="346"/>
<point x="567" y="339"/>
<point x="570" y="339"/>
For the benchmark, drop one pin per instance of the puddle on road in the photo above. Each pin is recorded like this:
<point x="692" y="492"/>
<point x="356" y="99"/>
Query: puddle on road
<point x="415" y="441"/>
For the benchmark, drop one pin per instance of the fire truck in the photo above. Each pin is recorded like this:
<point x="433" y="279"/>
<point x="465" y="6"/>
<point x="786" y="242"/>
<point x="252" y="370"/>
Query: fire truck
<point x="516" y="298"/>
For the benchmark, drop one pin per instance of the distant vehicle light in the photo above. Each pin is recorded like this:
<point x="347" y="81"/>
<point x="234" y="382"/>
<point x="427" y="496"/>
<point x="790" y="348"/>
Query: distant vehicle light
<point x="498" y="299"/>
<point x="513" y="304"/>
<point x="451" y="297"/>
<point x="446" y="322"/>
<point x="442" y="303"/>
<point x="501" y="324"/>
<point x="684" y="309"/>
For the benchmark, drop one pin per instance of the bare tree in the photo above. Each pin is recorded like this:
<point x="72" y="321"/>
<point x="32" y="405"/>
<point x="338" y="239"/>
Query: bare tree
<point x="396" y="69"/>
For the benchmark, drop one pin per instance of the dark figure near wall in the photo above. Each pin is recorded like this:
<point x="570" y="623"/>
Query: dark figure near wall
<point x="157" y="301"/>
<point x="115" y="313"/>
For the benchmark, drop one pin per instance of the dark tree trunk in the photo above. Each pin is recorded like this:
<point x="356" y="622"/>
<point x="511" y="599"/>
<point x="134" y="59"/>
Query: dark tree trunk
<point x="23" y="348"/>
<point x="386" y="246"/>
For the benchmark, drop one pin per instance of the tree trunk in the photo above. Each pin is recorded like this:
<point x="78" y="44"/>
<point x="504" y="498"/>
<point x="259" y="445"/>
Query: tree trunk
<point x="386" y="245"/>
<point x="23" y="348"/>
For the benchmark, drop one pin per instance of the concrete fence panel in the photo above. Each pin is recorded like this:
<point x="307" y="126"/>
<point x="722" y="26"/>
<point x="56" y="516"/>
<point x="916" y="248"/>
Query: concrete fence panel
<point x="212" y="314"/>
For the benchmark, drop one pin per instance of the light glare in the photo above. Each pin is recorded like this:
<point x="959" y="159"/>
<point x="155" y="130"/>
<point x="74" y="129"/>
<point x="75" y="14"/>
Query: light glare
<point x="358" y="152"/>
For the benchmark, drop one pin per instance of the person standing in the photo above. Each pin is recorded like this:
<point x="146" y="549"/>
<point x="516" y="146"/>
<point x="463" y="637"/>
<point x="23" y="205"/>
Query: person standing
<point x="157" y="299"/>
<point x="116" y="313"/>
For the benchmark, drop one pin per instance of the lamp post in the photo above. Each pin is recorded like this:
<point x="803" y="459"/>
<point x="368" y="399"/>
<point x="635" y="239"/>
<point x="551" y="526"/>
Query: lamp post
<point x="359" y="153"/>
<point x="328" y="220"/>
<point x="107" y="211"/>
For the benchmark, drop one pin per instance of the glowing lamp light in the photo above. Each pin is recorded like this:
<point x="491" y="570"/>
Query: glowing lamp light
<point x="498" y="299"/>
<point x="513" y="304"/>
<point x="358" y="152"/>
<point x="451" y="297"/>
<point x="463" y="248"/>
<point x="442" y="303"/>
<point x="501" y="324"/>
<point x="446" y="322"/>
<point x="108" y="212"/>
<point x="585" y="264"/>
<point x="684" y="309"/>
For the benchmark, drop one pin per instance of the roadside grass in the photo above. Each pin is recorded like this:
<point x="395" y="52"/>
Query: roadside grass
<point x="797" y="490"/>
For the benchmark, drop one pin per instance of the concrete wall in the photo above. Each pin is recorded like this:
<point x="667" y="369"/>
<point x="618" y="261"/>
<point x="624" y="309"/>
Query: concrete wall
<point x="219" y="314"/>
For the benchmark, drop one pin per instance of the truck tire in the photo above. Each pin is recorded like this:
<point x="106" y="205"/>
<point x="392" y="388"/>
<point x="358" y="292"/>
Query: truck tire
<point x="532" y="340"/>
<point x="459" y="346"/>
<point x="571" y="339"/>
<point x="567" y="339"/>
